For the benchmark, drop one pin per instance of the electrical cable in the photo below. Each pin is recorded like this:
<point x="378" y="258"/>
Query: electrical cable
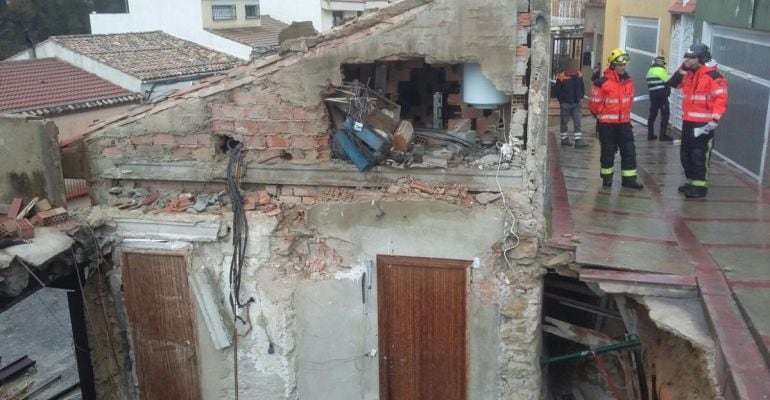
<point x="240" y="234"/>
<point x="512" y="231"/>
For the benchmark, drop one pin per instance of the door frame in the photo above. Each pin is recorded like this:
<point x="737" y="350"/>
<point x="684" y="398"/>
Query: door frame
<point x="427" y="262"/>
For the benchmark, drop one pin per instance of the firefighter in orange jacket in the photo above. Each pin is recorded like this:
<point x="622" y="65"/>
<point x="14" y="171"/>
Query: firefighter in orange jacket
<point x="704" y="101"/>
<point x="611" y="98"/>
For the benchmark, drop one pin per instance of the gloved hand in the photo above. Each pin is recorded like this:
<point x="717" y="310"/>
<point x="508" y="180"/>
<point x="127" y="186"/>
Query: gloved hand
<point x="683" y="68"/>
<point x="705" y="128"/>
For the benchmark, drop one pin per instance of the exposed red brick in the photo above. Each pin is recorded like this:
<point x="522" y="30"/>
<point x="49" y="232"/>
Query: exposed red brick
<point x="255" y="142"/>
<point x="291" y="199"/>
<point x="470" y="112"/>
<point x="247" y="125"/>
<point x="304" y="142"/>
<point x="522" y="52"/>
<point x="281" y="113"/>
<point x="309" y="200"/>
<point x="314" y="127"/>
<point x="219" y="125"/>
<point x="163" y="138"/>
<point x="226" y="111"/>
<point x="523" y="19"/>
<point x="300" y="113"/>
<point x="277" y="141"/>
<point x="112" y="152"/>
<point x="258" y="112"/>
<point x="422" y="187"/>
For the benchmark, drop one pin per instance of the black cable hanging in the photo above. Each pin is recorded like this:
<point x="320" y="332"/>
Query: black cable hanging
<point x="240" y="239"/>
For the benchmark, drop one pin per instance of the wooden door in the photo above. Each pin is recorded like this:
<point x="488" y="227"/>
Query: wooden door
<point x="422" y="311"/>
<point x="161" y="317"/>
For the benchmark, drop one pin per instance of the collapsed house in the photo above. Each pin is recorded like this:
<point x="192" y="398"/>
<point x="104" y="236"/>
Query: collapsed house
<point x="352" y="218"/>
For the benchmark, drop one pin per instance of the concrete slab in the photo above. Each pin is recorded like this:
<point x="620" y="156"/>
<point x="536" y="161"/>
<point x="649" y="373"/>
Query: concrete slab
<point x="743" y="264"/>
<point x="597" y="222"/>
<point x="47" y="244"/>
<point x="754" y="302"/>
<point x="635" y="256"/>
<point x="751" y="211"/>
<point x="730" y="232"/>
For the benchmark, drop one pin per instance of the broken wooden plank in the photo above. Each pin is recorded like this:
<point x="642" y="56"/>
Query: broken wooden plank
<point x="578" y="334"/>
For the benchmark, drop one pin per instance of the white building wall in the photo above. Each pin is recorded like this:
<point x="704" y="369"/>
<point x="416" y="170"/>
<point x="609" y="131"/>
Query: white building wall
<point x="50" y="49"/>
<point x="294" y="10"/>
<point x="180" y="18"/>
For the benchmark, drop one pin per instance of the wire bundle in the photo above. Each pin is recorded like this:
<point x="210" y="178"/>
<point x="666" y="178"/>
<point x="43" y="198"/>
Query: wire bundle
<point x="240" y="239"/>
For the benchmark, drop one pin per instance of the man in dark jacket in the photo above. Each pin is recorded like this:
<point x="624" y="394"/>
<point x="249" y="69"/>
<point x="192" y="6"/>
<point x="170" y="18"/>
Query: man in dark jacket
<point x="569" y="90"/>
<point x="659" y="92"/>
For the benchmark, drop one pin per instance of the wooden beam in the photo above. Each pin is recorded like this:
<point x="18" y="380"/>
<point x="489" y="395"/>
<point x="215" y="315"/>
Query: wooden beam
<point x="578" y="334"/>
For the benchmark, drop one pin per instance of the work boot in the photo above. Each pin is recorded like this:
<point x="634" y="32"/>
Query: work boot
<point x="683" y="188"/>
<point x="652" y="136"/>
<point x="632" y="183"/>
<point x="694" y="192"/>
<point x="566" y="142"/>
<point x="580" y="143"/>
<point x="666" y="138"/>
<point x="607" y="181"/>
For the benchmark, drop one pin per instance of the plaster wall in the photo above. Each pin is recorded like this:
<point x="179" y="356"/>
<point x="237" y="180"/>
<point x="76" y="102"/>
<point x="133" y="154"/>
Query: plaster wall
<point x="240" y="20"/>
<point x="31" y="163"/>
<point x="175" y="17"/>
<point x="655" y="9"/>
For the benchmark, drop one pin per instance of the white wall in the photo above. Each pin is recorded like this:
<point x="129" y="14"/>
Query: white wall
<point x="51" y="49"/>
<point x="180" y="18"/>
<point x="294" y="10"/>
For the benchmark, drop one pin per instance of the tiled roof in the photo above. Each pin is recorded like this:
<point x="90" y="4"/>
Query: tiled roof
<point x="256" y="37"/>
<point x="686" y="7"/>
<point x="148" y="55"/>
<point x="49" y="86"/>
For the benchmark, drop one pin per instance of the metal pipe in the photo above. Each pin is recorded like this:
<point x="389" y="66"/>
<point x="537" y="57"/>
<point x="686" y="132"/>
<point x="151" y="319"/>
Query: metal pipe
<point x="633" y="342"/>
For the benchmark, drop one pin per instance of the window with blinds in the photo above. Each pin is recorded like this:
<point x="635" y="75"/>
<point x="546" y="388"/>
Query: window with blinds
<point x="223" y="12"/>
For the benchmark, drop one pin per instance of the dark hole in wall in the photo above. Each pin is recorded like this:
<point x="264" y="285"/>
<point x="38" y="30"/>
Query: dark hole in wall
<point x="224" y="143"/>
<point x="571" y="301"/>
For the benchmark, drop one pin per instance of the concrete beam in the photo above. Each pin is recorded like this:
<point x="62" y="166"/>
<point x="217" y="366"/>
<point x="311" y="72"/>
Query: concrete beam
<point x="317" y="175"/>
<point x="193" y="231"/>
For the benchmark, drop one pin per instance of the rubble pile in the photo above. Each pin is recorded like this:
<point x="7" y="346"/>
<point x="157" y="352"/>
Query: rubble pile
<point x="368" y="131"/>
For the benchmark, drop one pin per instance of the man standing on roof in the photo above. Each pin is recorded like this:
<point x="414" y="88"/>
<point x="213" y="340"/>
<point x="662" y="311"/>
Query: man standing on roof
<point x="611" y="98"/>
<point x="659" y="92"/>
<point x="570" y="90"/>
<point x="704" y="101"/>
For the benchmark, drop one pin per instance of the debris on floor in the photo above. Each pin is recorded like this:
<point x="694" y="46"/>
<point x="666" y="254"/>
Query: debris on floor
<point x="368" y="131"/>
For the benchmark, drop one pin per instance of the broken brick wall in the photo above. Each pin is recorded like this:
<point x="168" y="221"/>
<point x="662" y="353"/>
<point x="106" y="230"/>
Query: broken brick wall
<point x="304" y="271"/>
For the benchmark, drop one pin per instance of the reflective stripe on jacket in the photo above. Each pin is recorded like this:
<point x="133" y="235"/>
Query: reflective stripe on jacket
<point x="656" y="82"/>
<point x="704" y="93"/>
<point x="612" y="97"/>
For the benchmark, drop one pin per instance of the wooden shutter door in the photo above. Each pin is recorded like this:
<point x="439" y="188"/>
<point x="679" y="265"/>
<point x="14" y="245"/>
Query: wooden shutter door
<point x="422" y="311"/>
<point x="161" y="316"/>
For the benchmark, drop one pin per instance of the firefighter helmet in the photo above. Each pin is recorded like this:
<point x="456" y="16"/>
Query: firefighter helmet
<point x="618" y="56"/>
<point x="699" y="51"/>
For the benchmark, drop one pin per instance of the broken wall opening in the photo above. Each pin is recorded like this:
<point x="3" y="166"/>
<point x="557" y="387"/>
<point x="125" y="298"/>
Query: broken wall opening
<point x="608" y="346"/>
<point x="430" y="94"/>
